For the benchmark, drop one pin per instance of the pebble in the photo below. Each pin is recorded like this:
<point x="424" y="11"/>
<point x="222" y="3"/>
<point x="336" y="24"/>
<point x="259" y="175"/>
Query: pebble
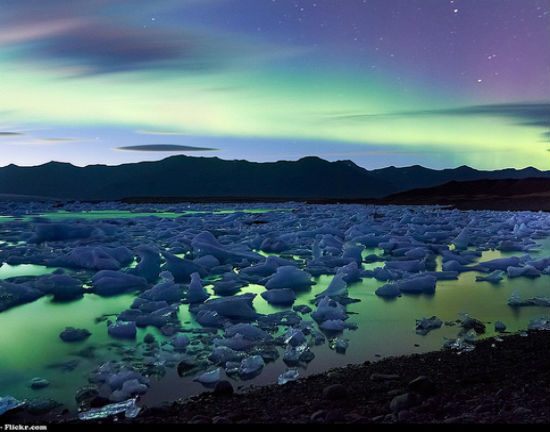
<point x="335" y="391"/>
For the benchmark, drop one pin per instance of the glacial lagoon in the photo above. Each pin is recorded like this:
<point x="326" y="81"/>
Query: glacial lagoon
<point x="93" y="266"/>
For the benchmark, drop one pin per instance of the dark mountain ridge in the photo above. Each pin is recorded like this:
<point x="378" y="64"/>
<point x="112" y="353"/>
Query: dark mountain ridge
<point x="203" y="177"/>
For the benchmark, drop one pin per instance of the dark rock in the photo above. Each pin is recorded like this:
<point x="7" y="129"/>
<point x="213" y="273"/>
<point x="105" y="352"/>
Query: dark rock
<point x="335" y="391"/>
<point x="473" y="323"/>
<point x="39" y="383"/>
<point x="71" y="334"/>
<point x="200" y="419"/>
<point x="404" y="401"/>
<point x="221" y="420"/>
<point x="384" y="377"/>
<point x="184" y="366"/>
<point x="422" y="385"/>
<point x="86" y="393"/>
<point x="318" y="416"/>
<point x="335" y="416"/>
<point x="41" y="406"/>
<point x="223" y="388"/>
<point x="149" y="338"/>
<point x="303" y="309"/>
<point x="99" y="401"/>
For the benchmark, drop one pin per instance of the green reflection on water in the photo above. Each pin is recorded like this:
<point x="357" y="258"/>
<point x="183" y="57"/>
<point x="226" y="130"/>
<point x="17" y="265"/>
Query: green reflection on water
<point x="115" y="214"/>
<point x="30" y="342"/>
<point x="10" y="271"/>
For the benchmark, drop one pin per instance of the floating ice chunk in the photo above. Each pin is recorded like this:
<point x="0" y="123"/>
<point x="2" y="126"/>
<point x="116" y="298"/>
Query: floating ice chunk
<point x="500" y="326"/>
<point x="273" y="245"/>
<point x="196" y="292"/>
<point x="459" y="345"/>
<point x="95" y="258"/>
<point x="526" y="271"/>
<point x="149" y="265"/>
<point x="279" y="296"/>
<point x="500" y="263"/>
<point x="248" y="331"/>
<point x="417" y="253"/>
<point x="351" y="272"/>
<point x="205" y="243"/>
<point x="236" y="342"/>
<point x="469" y="323"/>
<point x="462" y="240"/>
<point x="328" y="309"/>
<point x="181" y="269"/>
<point x="110" y="282"/>
<point x="267" y="268"/>
<point x="129" y="408"/>
<point x="210" y="377"/>
<point x="129" y="388"/>
<point x="289" y="277"/>
<point x="116" y="381"/>
<point x="411" y="266"/>
<point x="384" y="274"/>
<point x="337" y="287"/>
<point x="540" y="264"/>
<point x="236" y="307"/>
<point x="425" y="325"/>
<point x="494" y="277"/>
<point x="180" y="342"/>
<point x="516" y="301"/>
<point x="336" y="325"/>
<point x="207" y="261"/>
<point x="389" y="290"/>
<point x="166" y="291"/>
<point x="12" y="294"/>
<point x="229" y="284"/>
<point x="540" y="323"/>
<point x="60" y="232"/>
<point x="294" y="355"/>
<point x="420" y="284"/>
<point x="223" y="354"/>
<point x="290" y="374"/>
<point x="123" y="330"/>
<point x="207" y="318"/>
<point x="339" y="345"/>
<point x="294" y="337"/>
<point x="354" y="253"/>
<point x="63" y="287"/>
<point x="251" y="366"/>
<point x="9" y="403"/>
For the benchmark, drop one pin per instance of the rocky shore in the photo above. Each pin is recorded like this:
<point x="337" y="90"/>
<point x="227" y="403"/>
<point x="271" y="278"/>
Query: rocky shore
<point x="506" y="381"/>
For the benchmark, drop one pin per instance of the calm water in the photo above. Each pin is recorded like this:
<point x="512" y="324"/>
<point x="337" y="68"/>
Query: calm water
<point x="116" y="214"/>
<point x="31" y="346"/>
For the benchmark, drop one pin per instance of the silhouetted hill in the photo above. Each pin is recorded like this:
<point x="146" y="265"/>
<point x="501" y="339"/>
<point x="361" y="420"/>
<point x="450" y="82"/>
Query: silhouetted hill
<point x="201" y="177"/>
<point x="499" y="194"/>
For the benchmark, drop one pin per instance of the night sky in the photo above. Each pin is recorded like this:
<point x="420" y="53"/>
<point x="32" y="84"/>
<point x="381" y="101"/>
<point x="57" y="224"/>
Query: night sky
<point x="439" y="83"/>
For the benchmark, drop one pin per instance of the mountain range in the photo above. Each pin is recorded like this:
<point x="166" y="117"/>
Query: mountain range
<point x="211" y="177"/>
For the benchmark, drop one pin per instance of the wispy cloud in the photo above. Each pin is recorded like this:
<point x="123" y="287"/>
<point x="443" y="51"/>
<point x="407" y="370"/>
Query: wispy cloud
<point x="10" y="134"/>
<point x="525" y="114"/>
<point x="159" y="132"/>
<point x="164" y="148"/>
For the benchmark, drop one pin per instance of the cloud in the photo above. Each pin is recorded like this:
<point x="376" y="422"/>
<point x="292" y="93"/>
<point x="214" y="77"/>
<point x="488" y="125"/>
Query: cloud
<point x="10" y="134"/>
<point x="164" y="148"/>
<point x="87" y="38"/>
<point x="159" y="132"/>
<point x="525" y="114"/>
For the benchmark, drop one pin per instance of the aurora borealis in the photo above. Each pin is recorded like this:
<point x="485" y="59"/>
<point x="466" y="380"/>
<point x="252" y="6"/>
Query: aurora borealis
<point x="440" y="83"/>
